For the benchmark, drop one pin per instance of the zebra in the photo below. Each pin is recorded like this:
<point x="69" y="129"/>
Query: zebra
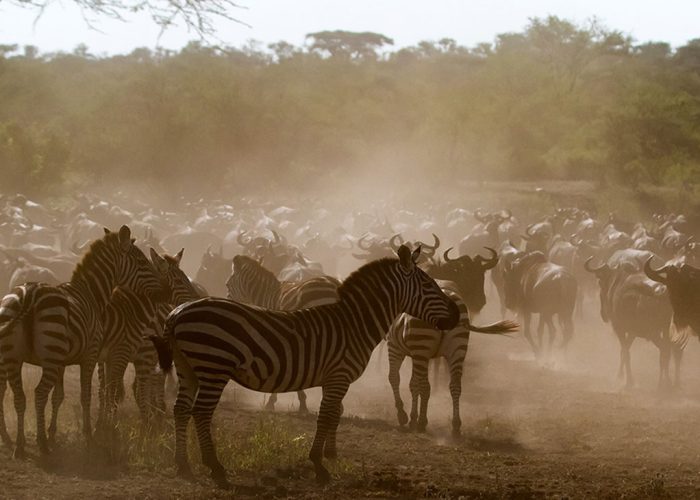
<point x="213" y="340"/>
<point x="461" y="278"/>
<point x="418" y="340"/>
<point x="56" y="326"/>
<point x="127" y="316"/>
<point x="251" y="283"/>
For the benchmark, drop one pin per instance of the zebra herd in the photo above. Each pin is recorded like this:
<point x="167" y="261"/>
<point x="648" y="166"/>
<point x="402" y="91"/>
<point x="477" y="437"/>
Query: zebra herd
<point x="272" y="335"/>
<point x="268" y="336"/>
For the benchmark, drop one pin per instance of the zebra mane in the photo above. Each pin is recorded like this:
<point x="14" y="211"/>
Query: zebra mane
<point x="90" y="257"/>
<point x="361" y="274"/>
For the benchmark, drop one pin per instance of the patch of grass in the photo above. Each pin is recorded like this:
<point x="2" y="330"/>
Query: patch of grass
<point x="273" y="444"/>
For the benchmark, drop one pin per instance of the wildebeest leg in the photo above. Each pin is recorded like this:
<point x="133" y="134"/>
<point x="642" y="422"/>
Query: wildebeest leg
<point x="677" y="352"/>
<point x="567" y="329"/>
<point x="627" y="344"/>
<point x="419" y="380"/>
<point x="302" y="402"/>
<point x="552" y="334"/>
<point x="664" y="347"/>
<point x="525" y="321"/>
<point x="270" y="406"/>
<point x="396" y="358"/>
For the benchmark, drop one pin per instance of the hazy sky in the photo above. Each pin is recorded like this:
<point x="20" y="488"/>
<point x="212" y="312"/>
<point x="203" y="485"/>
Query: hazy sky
<point x="406" y="21"/>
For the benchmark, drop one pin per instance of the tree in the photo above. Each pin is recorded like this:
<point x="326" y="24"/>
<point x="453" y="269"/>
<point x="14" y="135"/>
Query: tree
<point x="348" y="43"/>
<point x="197" y="15"/>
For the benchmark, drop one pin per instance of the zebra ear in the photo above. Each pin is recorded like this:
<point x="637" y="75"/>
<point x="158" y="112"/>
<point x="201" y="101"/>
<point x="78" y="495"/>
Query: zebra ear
<point x="405" y="258"/>
<point x="416" y="254"/>
<point x="178" y="256"/>
<point x="158" y="262"/>
<point x="107" y="231"/>
<point x="125" y="238"/>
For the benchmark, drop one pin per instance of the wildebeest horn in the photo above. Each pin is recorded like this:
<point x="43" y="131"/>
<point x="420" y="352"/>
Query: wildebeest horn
<point x="655" y="274"/>
<point x="276" y="241"/>
<point x="392" y="242"/>
<point x="240" y="239"/>
<point x="489" y="263"/>
<point x="363" y="238"/>
<point x="446" y="256"/>
<point x="587" y="266"/>
<point x="427" y="249"/>
<point x="360" y="256"/>
<point x="527" y="230"/>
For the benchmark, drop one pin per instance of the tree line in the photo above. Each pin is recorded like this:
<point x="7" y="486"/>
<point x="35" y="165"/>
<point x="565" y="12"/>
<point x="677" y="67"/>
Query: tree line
<point x="555" y="101"/>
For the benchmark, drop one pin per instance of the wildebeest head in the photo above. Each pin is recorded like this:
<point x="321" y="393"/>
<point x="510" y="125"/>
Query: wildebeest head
<point x="468" y="274"/>
<point x="683" y="284"/>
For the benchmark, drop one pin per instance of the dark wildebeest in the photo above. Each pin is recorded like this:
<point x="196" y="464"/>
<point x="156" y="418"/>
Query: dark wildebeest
<point x="533" y="285"/>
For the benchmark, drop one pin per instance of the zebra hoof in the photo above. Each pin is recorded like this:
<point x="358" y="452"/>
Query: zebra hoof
<point x="221" y="481"/>
<point x="322" y="475"/>
<point x="19" y="454"/>
<point x="403" y="418"/>
<point x="330" y="453"/>
<point x="269" y="407"/>
<point x="303" y="410"/>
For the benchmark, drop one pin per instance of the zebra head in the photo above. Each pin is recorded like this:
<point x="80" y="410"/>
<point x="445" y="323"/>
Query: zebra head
<point x="251" y="283"/>
<point x="134" y="270"/>
<point x="176" y="281"/>
<point x="421" y="296"/>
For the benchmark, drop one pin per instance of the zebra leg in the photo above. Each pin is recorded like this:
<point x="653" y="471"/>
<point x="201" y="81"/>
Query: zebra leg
<point x="87" y="368"/>
<point x="328" y="418"/>
<point x="182" y="412"/>
<point x="302" y="402"/>
<point x="3" y="428"/>
<point x="14" y="375"/>
<point x="115" y="381"/>
<point x="101" y="376"/>
<point x="56" y="400"/>
<point x="207" y="399"/>
<point x="418" y="383"/>
<point x="270" y="406"/>
<point x="456" y="393"/>
<point x="49" y="376"/>
<point x="330" y="449"/>
<point x="395" y="361"/>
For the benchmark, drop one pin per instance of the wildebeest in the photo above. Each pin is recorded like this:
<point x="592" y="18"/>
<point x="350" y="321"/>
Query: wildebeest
<point x="533" y="285"/>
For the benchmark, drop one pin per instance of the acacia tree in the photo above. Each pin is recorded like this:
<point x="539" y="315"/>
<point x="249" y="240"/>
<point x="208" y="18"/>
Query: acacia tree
<point x="197" y="15"/>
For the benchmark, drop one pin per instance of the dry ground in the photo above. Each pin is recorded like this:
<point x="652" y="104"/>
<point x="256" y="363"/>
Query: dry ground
<point x="529" y="431"/>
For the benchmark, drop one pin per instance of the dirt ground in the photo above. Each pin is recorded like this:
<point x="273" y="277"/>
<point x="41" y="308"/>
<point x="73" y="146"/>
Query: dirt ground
<point x="567" y="430"/>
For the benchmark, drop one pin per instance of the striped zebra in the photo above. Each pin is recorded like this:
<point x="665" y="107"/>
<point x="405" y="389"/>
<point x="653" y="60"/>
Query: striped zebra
<point x="414" y="338"/>
<point x="213" y="341"/>
<point x="127" y="318"/>
<point x="56" y="326"/>
<point x="251" y="283"/>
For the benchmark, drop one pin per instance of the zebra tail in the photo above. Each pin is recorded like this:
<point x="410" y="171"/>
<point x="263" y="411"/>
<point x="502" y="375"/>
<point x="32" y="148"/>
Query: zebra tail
<point x="165" y="352"/>
<point x="505" y="326"/>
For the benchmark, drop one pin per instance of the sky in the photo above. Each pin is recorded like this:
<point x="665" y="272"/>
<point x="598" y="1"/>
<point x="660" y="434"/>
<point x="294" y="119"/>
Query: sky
<point x="469" y="22"/>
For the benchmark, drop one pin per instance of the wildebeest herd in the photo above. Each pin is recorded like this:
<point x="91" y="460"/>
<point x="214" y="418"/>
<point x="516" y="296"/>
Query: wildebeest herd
<point x="284" y="299"/>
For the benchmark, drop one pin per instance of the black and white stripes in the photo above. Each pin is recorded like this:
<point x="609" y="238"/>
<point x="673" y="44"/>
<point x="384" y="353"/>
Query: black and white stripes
<point x="213" y="341"/>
